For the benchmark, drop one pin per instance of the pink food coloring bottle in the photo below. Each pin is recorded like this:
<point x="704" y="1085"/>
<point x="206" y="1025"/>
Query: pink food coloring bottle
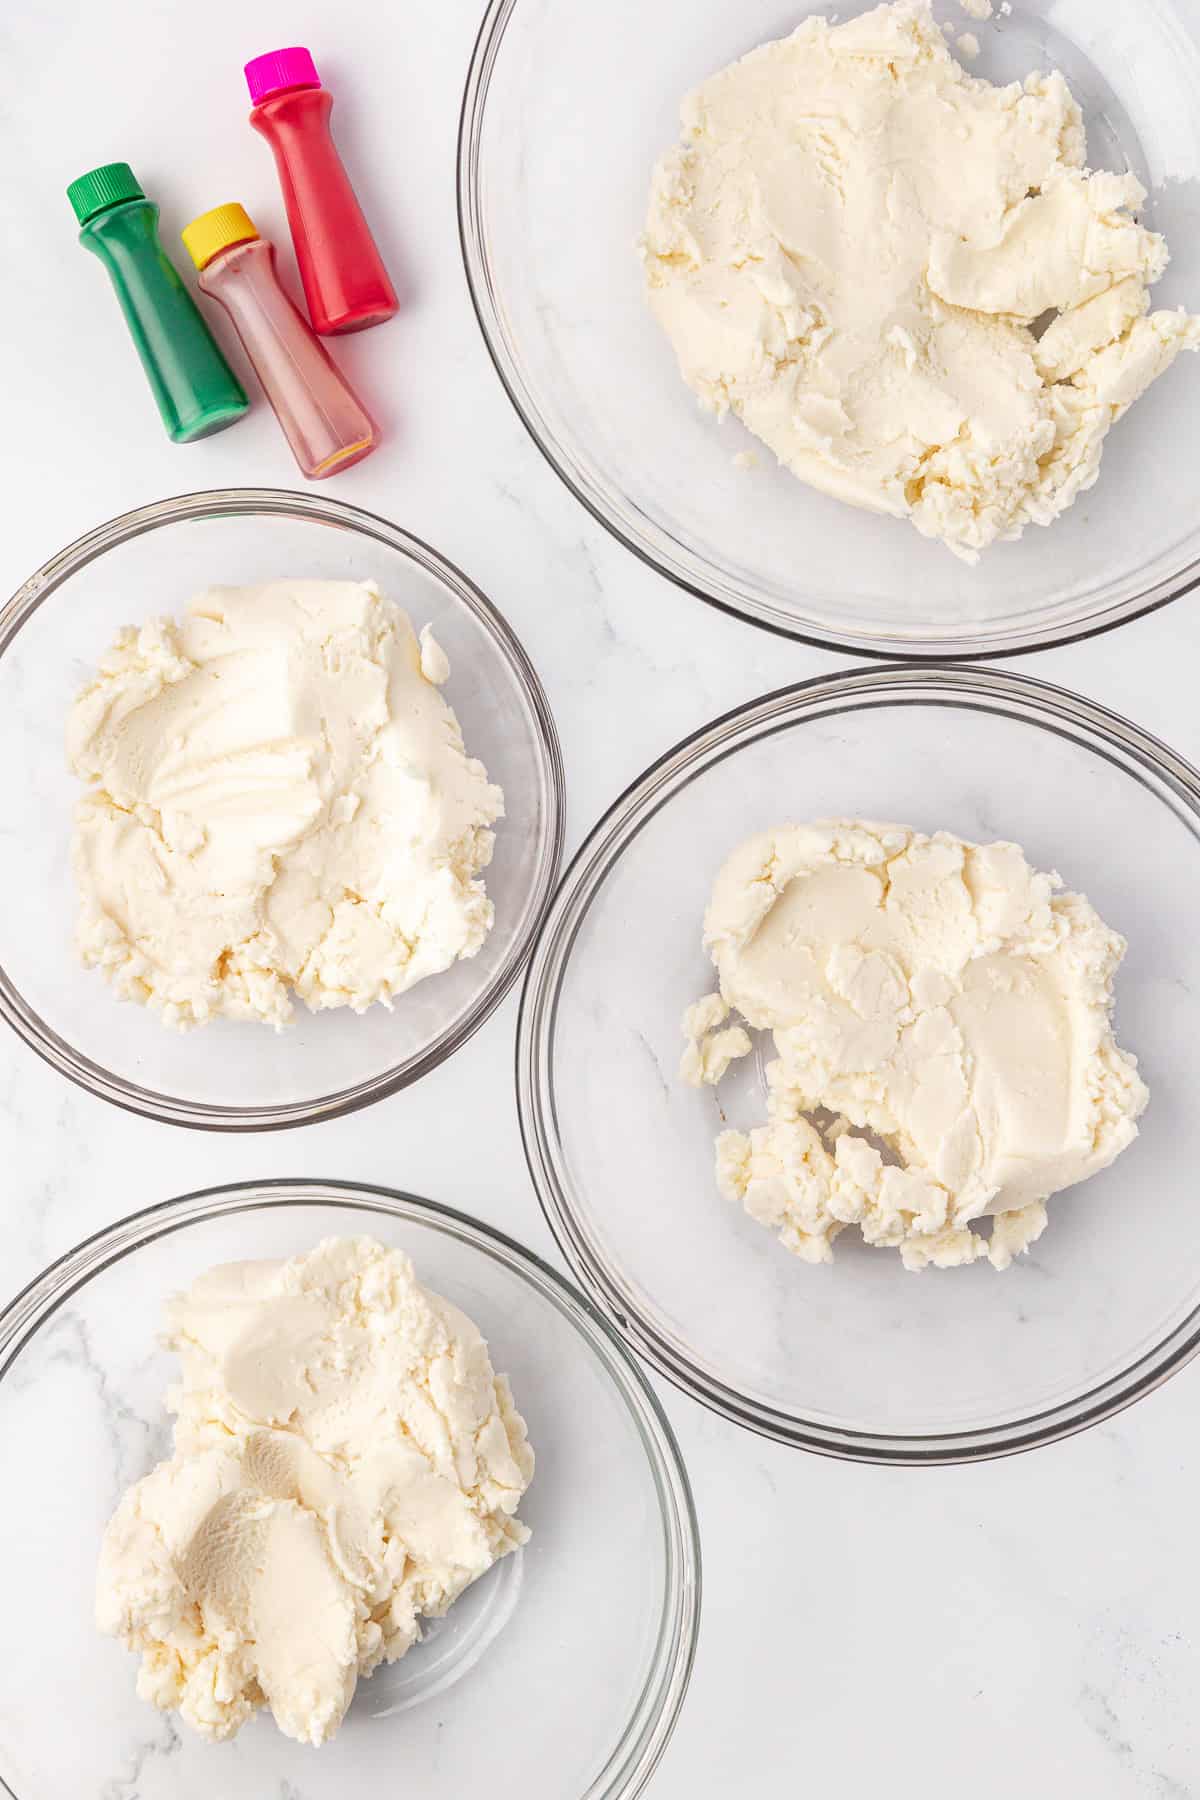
<point x="325" y="423"/>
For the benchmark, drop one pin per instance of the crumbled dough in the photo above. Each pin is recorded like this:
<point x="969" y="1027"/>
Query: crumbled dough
<point x="278" y="801"/>
<point x="968" y="45"/>
<point x="947" y="1003"/>
<point x="346" y="1462"/>
<point x="849" y="250"/>
<point x="710" y="1051"/>
<point x="978" y="9"/>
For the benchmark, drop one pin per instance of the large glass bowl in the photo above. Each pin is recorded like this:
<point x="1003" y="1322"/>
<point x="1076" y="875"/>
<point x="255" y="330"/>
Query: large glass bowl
<point x="567" y="109"/>
<point x="560" y="1672"/>
<point x="240" y="1075"/>
<point x="862" y="1359"/>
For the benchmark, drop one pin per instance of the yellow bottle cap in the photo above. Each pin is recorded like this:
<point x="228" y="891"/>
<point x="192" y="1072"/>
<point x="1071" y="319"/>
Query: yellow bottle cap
<point x="215" y="231"/>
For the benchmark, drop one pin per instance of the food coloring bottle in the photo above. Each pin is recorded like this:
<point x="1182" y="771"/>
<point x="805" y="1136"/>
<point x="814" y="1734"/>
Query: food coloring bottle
<point x="326" y="426"/>
<point x="196" y="390"/>
<point x="345" y="283"/>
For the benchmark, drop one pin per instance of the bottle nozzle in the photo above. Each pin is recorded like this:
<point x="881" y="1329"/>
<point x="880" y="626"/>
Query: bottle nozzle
<point x="215" y="231"/>
<point x="276" y="70"/>
<point x="101" y="188"/>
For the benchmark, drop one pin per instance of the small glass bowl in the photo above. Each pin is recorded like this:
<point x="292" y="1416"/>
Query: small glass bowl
<point x="240" y="1076"/>
<point x="566" y="112"/>
<point x="561" y="1671"/>
<point x="863" y="1359"/>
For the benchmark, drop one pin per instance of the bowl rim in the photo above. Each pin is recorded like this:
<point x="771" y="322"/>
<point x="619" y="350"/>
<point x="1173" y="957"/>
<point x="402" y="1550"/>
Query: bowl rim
<point x="963" y="686"/>
<point x="656" y="1713"/>
<point x="653" y="546"/>
<point x="241" y="502"/>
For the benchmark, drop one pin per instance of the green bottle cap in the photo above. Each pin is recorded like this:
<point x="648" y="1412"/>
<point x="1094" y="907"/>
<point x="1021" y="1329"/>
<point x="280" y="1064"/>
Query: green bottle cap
<point x="101" y="188"/>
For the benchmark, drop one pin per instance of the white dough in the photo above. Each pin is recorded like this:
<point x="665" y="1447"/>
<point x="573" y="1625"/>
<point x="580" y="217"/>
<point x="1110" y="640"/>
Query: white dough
<point x="849" y="248"/>
<point x="346" y="1462"/>
<point x="279" y="801"/>
<point x="942" y="997"/>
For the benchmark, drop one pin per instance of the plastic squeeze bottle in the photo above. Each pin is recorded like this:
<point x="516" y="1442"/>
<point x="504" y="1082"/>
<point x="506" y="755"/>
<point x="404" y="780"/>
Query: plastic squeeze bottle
<point x="196" y="390"/>
<point x="322" y="420"/>
<point x="345" y="283"/>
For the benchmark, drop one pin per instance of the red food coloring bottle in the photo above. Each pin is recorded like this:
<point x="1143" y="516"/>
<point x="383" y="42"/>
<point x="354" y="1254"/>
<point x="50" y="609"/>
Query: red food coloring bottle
<point x="345" y="283"/>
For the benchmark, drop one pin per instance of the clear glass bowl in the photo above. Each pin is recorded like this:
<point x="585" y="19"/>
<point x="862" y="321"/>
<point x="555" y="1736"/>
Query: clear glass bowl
<point x="566" y="111"/>
<point x="232" y="1075"/>
<point x="560" y="1672"/>
<point x="863" y="1359"/>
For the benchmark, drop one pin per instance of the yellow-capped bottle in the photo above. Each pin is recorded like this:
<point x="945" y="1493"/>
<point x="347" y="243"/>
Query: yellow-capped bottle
<point x="322" y="418"/>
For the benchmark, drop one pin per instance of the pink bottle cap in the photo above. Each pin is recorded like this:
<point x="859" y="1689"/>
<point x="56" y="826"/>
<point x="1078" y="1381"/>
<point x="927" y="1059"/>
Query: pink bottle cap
<point x="279" y="69"/>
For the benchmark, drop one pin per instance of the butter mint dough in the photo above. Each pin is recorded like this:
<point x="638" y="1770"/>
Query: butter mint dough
<point x="850" y="247"/>
<point x="278" y="802"/>
<point x="346" y="1463"/>
<point x="942" y="1019"/>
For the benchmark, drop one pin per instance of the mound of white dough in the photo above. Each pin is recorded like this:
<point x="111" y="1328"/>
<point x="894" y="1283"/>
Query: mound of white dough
<point x="849" y="250"/>
<point x="945" y="1013"/>
<point x="278" y="801"/>
<point x="346" y="1462"/>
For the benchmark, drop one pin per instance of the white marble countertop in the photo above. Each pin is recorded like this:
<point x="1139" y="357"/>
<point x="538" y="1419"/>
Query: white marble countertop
<point x="1025" y="1626"/>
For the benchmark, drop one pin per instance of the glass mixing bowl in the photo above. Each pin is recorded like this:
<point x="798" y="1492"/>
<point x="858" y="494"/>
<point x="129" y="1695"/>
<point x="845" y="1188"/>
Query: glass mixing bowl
<point x="566" y="111"/>
<point x="560" y="1672"/>
<point x="862" y="1359"/>
<point x="240" y="1075"/>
